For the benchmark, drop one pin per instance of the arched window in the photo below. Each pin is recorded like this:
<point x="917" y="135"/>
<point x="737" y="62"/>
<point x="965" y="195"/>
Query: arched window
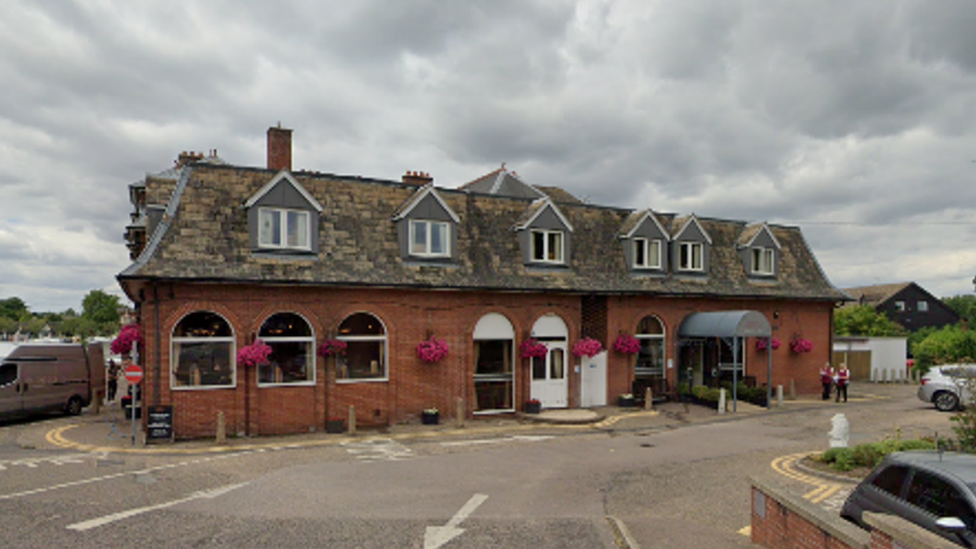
<point x="292" y="345"/>
<point x="650" y="360"/>
<point x="365" y="356"/>
<point x="494" y="374"/>
<point x="203" y="352"/>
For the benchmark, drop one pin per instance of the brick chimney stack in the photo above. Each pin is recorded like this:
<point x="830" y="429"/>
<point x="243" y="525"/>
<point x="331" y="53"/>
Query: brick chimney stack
<point x="187" y="157"/>
<point x="417" y="178"/>
<point x="279" y="148"/>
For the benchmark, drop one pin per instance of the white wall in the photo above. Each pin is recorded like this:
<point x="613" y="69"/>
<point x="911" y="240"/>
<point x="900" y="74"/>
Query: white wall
<point x="888" y="355"/>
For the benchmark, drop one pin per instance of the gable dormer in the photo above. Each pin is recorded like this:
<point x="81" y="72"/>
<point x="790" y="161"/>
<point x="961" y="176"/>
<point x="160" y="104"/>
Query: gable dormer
<point x="283" y="217"/>
<point x="645" y="243"/>
<point x="690" y="247"/>
<point x="544" y="235"/>
<point x="760" y="251"/>
<point x="426" y="227"/>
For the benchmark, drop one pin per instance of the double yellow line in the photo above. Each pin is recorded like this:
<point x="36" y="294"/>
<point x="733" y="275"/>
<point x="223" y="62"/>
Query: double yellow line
<point x="785" y="465"/>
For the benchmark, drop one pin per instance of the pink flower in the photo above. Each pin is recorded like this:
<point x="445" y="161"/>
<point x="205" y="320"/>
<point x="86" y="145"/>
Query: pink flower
<point x="432" y="350"/>
<point x="332" y="347"/>
<point x="761" y="344"/>
<point x="587" y="347"/>
<point x="530" y="348"/>
<point x="800" y="345"/>
<point x="626" y="344"/>
<point x="128" y="336"/>
<point x="254" y="354"/>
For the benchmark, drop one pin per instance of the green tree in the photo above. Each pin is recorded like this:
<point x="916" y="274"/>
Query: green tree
<point x="863" y="320"/>
<point x="100" y="307"/>
<point x="13" y="308"/>
<point x="946" y="346"/>
<point x="964" y="306"/>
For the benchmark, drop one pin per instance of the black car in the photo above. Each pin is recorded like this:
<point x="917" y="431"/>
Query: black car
<point x="935" y="490"/>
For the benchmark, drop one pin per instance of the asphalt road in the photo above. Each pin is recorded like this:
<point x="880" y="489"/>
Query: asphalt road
<point x="683" y="487"/>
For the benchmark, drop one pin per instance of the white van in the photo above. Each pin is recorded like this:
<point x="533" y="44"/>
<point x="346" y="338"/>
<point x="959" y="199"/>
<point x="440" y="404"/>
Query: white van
<point x="51" y="376"/>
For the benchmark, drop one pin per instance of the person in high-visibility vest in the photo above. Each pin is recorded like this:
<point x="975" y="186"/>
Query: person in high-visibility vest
<point x="826" y="379"/>
<point x="842" y="378"/>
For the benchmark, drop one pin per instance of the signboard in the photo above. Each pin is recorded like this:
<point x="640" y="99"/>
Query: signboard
<point x="160" y="423"/>
<point x="133" y="374"/>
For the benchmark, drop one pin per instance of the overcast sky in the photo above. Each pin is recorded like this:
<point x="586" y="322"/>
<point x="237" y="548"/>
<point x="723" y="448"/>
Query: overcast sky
<point x="851" y="119"/>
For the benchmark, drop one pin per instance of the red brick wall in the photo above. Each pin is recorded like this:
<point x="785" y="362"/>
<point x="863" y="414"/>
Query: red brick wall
<point x="409" y="317"/>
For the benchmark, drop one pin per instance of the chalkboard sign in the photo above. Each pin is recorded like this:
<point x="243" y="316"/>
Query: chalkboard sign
<point x="160" y="424"/>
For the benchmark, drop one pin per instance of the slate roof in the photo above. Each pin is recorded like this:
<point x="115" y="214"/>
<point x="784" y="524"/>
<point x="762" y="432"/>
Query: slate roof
<point x="204" y="237"/>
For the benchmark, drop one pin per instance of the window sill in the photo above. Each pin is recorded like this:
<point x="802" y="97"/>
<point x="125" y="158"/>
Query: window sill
<point x="443" y="262"/>
<point x="292" y="255"/>
<point x="369" y="380"/>
<point x="294" y="384"/>
<point x="201" y="387"/>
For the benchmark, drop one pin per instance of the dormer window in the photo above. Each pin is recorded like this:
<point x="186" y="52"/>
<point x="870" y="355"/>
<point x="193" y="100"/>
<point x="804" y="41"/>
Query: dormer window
<point x="647" y="253"/>
<point x="547" y="246"/>
<point x="281" y="228"/>
<point x="430" y="238"/>
<point x="690" y="256"/>
<point x="763" y="261"/>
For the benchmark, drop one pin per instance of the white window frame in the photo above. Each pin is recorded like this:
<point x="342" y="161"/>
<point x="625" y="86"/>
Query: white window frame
<point x="547" y="234"/>
<point x="656" y="338"/>
<point x="900" y="306"/>
<point x="651" y="260"/>
<point x="385" y="350"/>
<point x="922" y="306"/>
<point x="174" y="340"/>
<point x="445" y="226"/>
<point x="692" y="247"/>
<point x="264" y="240"/>
<point x="309" y="340"/>
<point x="763" y="261"/>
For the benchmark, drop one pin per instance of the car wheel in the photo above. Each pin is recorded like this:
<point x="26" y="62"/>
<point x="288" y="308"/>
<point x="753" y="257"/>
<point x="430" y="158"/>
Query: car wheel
<point x="945" y="401"/>
<point x="74" y="406"/>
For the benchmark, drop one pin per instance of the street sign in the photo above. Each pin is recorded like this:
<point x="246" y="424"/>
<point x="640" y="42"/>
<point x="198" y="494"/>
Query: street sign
<point x="133" y="374"/>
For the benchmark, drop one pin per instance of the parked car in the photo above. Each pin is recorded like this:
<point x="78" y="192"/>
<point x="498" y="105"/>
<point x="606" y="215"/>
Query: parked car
<point x="51" y="377"/>
<point x="929" y="488"/>
<point x="948" y="386"/>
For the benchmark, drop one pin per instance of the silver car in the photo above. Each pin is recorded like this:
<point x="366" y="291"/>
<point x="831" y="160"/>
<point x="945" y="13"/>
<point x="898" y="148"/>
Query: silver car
<point x="932" y="489"/>
<point x="948" y="386"/>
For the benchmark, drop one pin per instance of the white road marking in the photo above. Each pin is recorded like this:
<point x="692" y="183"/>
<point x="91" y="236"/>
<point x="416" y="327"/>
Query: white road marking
<point x="102" y="521"/>
<point x="33" y="463"/>
<point x="383" y="449"/>
<point x="122" y="474"/>
<point x="435" y="536"/>
<point x="517" y="438"/>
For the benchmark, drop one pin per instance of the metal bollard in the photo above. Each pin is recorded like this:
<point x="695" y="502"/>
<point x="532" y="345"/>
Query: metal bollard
<point x="721" y="401"/>
<point x="779" y="396"/>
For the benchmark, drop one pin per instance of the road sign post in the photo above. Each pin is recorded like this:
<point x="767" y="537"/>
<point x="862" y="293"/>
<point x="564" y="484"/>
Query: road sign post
<point x="133" y="374"/>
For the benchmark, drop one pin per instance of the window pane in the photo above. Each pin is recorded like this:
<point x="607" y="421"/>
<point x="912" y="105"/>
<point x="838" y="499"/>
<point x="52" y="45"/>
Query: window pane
<point x="202" y="363"/>
<point x="438" y="238"/>
<point x="757" y="260"/>
<point x="650" y="325"/>
<point x="651" y="354"/>
<point x="290" y="362"/>
<point x="932" y="493"/>
<point x="360" y="324"/>
<point x="494" y="357"/>
<point x="8" y="373"/>
<point x="696" y="256"/>
<point x="555" y="246"/>
<point x="557" y="368"/>
<point x="363" y="360"/>
<point x="684" y="256"/>
<point x="923" y="306"/>
<point x="768" y="254"/>
<point x="493" y="395"/>
<point x="891" y="479"/>
<point x="654" y="254"/>
<point x="202" y="324"/>
<point x="269" y="232"/>
<point x="285" y="325"/>
<point x="297" y="229"/>
<point x="419" y="237"/>
<point x="538" y="368"/>
<point x="538" y="245"/>
<point x="639" y="252"/>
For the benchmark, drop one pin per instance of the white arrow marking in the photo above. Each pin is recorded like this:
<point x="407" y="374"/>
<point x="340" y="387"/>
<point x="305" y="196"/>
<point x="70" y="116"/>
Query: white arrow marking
<point x="439" y="535"/>
<point x="95" y="523"/>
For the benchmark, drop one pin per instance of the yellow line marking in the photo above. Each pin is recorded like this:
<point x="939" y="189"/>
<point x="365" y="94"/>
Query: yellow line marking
<point x="827" y="493"/>
<point x="824" y="489"/>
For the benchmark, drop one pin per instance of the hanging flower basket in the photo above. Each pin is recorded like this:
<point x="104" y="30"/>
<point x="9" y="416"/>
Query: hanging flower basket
<point x="530" y="348"/>
<point x="254" y="354"/>
<point x="127" y="338"/>
<point x="587" y="347"/>
<point x="626" y="344"/>
<point x="331" y="347"/>
<point x="432" y="350"/>
<point x="800" y="345"/>
<point x="761" y="344"/>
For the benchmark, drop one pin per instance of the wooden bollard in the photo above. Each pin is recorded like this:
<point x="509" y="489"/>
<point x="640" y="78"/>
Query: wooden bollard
<point x="221" y="429"/>
<point x="792" y="389"/>
<point x="648" y="399"/>
<point x="352" y="420"/>
<point x="460" y="413"/>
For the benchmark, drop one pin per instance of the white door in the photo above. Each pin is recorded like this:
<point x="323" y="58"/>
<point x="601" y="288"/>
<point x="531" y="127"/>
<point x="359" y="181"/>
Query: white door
<point x="593" y="391"/>
<point x="550" y="374"/>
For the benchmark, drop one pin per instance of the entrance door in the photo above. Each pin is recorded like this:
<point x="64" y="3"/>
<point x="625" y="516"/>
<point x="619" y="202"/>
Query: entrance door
<point x="550" y="380"/>
<point x="594" y="380"/>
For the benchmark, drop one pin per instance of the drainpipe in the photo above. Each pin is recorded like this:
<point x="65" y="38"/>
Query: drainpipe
<point x="156" y="368"/>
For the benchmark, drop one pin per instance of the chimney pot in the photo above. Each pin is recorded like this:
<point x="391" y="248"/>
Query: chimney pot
<point x="417" y="178"/>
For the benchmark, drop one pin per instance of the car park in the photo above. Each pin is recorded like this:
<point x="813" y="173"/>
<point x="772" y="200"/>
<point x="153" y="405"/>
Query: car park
<point x="932" y="489"/>
<point x="949" y="386"/>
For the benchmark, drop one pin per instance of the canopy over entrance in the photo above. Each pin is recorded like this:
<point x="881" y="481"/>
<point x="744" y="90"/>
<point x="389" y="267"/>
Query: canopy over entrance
<point x="726" y="324"/>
